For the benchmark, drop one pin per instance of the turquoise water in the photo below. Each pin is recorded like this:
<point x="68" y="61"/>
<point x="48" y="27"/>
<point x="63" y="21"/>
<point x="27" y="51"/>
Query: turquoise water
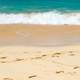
<point x="40" y="12"/>
<point x="23" y="6"/>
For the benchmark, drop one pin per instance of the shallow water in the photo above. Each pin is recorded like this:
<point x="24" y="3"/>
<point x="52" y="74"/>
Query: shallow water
<point x="19" y="6"/>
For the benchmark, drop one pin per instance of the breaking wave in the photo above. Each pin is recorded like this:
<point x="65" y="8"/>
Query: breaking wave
<point x="40" y="18"/>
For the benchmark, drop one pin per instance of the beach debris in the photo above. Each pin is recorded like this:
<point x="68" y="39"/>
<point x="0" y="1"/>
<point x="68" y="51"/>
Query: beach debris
<point x="32" y="76"/>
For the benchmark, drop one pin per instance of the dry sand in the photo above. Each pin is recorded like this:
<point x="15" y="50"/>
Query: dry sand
<point x="39" y="63"/>
<point x="25" y="52"/>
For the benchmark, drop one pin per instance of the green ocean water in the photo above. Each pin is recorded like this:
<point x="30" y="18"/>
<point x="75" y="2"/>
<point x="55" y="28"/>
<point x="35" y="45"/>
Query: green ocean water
<point x="24" y="6"/>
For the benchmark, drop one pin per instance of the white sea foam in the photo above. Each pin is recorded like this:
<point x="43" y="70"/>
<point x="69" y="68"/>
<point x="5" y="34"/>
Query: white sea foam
<point x="41" y="18"/>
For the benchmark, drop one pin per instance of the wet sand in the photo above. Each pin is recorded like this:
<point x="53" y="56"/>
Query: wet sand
<point x="38" y="35"/>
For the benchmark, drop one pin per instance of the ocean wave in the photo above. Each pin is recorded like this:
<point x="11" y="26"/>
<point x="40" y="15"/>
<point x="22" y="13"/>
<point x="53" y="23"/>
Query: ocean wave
<point x="41" y="18"/>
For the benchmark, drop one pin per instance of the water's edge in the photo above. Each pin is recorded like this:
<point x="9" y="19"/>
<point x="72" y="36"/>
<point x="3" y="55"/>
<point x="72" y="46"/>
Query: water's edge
<point x="51" y="17"/>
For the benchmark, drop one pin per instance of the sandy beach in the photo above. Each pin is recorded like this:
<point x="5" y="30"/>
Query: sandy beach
<point x="37" y="52"/>
<point x="39" y="63"/>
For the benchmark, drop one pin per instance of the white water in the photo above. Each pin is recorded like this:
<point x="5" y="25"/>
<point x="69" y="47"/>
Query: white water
<point x="41" y="18"/>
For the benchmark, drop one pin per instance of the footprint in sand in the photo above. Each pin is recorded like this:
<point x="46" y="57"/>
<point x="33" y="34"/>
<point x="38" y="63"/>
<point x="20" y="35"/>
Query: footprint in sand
<point x="39" y="52"/>
<point x="39" y="57"/>
<point x="71" y="54"/>
<point x="36" y="58"/>
<point x="59" y="72"/>
<point x="7" y="79"/>
<point x="56" y="54"/>
<point x="19" y="59"/>
<point x="3" y="61"/>
<point x="32" y="76"/>
<point x="76" y="67"/>
<point x="3" y="57"/>
<point x="44" y="55"/>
